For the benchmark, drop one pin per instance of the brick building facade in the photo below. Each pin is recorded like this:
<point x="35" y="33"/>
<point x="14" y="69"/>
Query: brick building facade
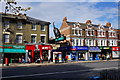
<point x="101" y="37"/>
<point x="17" y="30"/>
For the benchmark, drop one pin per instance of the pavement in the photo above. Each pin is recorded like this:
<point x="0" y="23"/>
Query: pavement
<point x="46" y="63"/>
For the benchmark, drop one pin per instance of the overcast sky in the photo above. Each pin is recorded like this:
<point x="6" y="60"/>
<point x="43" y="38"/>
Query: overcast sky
<point x="98" y="12"/>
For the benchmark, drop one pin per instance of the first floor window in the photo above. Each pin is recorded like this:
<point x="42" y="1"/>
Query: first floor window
<point x="43" y="39"/>
<point x="33" y="39"/>
<point x="76" y="42"/>
<point x="73" y="31"/>
<point x="6" y="38"/>
<point x="19" y="38"/>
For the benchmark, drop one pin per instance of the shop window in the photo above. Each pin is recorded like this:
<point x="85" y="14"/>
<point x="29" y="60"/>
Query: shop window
<point x="18" y="38"/>
<point x="33" y="27"/>
<point x="6" y="38"/>
<point x="42" y="28"/>
<point x="33" y="39"/>
<point x="43" y="39"/>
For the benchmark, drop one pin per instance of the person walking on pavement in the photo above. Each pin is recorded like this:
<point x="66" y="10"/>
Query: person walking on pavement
<point x="108" y="56"/>
<point x="23" y="60"/>
<point x="66" y="58"/>
<point x="37" y="60"/>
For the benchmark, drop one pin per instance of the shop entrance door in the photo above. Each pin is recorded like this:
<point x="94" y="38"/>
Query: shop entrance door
<point x="81" y="56"/>
<point x="45" y="55"/>
<point x="37" y="54"/>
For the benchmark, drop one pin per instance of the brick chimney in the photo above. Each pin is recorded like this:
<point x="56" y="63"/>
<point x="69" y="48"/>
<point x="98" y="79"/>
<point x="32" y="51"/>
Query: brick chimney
<point x="88" y="22"/>
<point x="108" y="24"/>
<point x="65" y="19"/>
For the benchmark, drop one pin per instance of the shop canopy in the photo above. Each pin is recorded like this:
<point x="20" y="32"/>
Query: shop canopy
<point x="12" y="49"/>
<point x="94" y="49"/>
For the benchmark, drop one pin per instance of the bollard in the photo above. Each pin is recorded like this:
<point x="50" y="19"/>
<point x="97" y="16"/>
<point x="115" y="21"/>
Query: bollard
<point x="6" y="62"/>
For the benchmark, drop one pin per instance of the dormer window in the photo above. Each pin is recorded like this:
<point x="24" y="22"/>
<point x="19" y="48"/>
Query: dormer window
<point x="6" y="24"/>
<point x="19" y="25"/>
<point x="76" y="25"/>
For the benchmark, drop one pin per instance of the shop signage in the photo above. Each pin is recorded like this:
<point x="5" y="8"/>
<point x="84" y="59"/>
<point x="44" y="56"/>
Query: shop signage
<point x="60" y="39"/>
<point x="12" y="49"/>
<point x="94" y="49"/>
<point x="44" y="47"/>
<point x="104" y="47"/>
<point x="115" y="48"/>
<point x="12" y="46"/>
<point x="7" y="50"/>
<point x="79" y="47"/>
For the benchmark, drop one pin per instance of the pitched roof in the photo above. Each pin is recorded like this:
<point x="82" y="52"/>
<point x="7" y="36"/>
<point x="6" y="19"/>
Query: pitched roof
<point x="27" y="18"/>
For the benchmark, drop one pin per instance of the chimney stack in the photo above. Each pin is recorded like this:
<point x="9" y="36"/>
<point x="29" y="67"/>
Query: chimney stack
<point x="65" y="19"/>
<point x="108" y="24"/>
<point x="88" y="22"/>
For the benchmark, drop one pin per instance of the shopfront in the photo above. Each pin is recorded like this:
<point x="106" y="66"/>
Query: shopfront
<point x="13" y="53"/>
<point x="75" y="53"/>
<point x="95" y="53"/>
<point x="57" y="57"/>
<point x="35" y="51"/>
<point x="115" y="52"/>
<point x="106" y="51"/>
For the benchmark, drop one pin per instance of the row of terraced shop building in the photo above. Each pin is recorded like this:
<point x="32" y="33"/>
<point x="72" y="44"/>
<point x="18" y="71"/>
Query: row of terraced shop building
<point x="26" y="37"/>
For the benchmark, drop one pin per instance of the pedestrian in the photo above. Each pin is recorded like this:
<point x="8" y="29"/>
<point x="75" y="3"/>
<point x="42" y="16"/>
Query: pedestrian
<point x="29" y="60"/>
<point x="49" y="59"/>
<point x="66" y="58"/>
<point x="108" y="56"/>
<point x="41" y="60"/>
<point x="23" y="60"/>
<point x="37" y="60"/>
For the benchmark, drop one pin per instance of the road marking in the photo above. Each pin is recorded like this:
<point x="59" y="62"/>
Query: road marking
<point x="60" y="72"/>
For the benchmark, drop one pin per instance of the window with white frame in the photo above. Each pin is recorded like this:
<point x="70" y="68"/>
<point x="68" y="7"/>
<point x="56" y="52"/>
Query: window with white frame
<point x="112" y="34"/>
<point x="101" y="33"/>
<point x="19" y="25"/>
<point x="42" y="28"/>
<point x="73" y="30"/>
<point x="76" y="32"/>
<point x="33" y="27"/>
<point x="33" y="38"/>
<point x="43" y="40"/>
<point x="6" y="38"/>
<point x="73" y="42"/>
<point x="80" y="33"/>
<point x="76" y="42"/>
<point x="6" y="24"/>
<point x="19" y="38"/>
<point x="89" y="32"/>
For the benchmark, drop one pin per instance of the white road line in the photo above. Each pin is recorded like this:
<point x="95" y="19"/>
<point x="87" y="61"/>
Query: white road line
<point x="59" y="72"/>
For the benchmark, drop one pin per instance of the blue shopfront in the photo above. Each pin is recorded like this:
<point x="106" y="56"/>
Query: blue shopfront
<point x="94" y="53"/>
<point x="75" y="53"/>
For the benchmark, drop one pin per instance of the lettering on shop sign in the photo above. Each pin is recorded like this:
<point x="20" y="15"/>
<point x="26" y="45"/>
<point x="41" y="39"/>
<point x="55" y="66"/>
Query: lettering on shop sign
<point x="44" y="47"/>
